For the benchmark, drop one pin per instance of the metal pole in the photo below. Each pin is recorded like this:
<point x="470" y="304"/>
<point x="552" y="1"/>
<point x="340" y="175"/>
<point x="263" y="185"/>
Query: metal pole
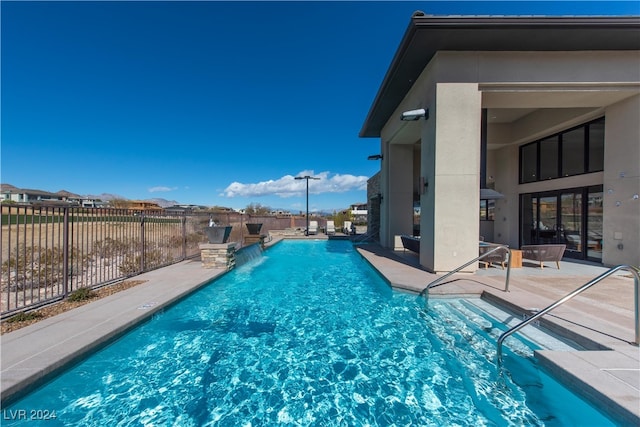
<point x="65" y="249"/>
<point x="307" y="177"/>
<point x="142" y="243"/>
<point x="307" y="229"/>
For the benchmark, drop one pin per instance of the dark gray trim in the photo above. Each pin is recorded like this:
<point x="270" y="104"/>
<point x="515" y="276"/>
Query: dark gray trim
<point x="427" y="35"/>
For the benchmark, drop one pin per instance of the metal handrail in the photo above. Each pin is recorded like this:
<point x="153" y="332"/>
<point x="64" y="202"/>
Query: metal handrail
<point x="581" y="289"/>
<point x="425" y="291"/>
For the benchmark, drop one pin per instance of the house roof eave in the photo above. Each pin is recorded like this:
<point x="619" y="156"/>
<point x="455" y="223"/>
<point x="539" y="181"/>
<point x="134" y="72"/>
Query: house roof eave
<point x="427" y="35"/>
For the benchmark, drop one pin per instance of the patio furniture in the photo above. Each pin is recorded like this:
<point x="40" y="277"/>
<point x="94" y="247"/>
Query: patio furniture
<point x="542" y="253"/>
<point x="331" y="228"/>
<point x="411" y="243"/>
<point x="499" y="256"/>
<point x="346" y="228"/>
<point x="313" y="227"/>
<point x="516" y="258"/>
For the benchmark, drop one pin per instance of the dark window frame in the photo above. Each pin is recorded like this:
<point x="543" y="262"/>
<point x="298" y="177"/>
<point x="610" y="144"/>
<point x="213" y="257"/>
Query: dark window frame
<point x="584" y="215"/>
<point x="559" y="153"/>
<point x="487" y="210"/>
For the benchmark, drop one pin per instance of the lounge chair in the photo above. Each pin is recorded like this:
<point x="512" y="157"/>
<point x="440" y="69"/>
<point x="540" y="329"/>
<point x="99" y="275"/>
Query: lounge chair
<point x="346" y="227"/>
<point x="543" y="253"/>
<point x="313" y="227"/>
<point x="331" y="228"/>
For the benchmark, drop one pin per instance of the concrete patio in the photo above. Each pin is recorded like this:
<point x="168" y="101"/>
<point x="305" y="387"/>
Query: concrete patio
<point x="601" y="319"/>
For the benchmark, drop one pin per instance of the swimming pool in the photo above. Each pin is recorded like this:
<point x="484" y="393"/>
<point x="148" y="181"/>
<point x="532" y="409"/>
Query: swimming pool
<point x="308" y="334"/>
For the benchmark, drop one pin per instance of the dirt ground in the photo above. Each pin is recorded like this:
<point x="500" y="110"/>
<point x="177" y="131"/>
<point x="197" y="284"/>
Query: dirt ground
<point x="60" y="307"/>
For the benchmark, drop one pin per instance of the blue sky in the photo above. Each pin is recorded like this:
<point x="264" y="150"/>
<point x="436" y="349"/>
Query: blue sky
<point x="209" y="103"/>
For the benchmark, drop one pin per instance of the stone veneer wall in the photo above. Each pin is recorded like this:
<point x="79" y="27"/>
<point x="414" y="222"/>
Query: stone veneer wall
<point x="374" y="198"/>
<point x="218" y="255"/>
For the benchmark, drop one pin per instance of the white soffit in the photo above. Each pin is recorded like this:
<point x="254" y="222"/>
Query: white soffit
<point x="556" y="97"/>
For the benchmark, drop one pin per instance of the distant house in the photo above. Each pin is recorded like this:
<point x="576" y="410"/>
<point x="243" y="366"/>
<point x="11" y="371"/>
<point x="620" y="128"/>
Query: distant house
<point x="26" y="196"/>
<point x="358" y="211"/>
<point x="183" y="209"/>
<point x="93" y="203"/>
<point x="9" y="192"/>
<point x="141" y="205"/>
<point x="76" y="199"/>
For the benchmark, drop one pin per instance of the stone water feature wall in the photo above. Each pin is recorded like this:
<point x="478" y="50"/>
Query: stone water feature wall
<point x="218" y="255"/>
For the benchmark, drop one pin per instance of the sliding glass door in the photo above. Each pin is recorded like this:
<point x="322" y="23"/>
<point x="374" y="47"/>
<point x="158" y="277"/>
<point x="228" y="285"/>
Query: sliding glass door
<point x="562" y="216"/>
<point x="594" y="224"/>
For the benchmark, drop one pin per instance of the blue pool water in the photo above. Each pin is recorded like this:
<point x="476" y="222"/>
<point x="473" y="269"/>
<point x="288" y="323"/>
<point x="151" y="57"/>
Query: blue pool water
<point x="308" y="334"/>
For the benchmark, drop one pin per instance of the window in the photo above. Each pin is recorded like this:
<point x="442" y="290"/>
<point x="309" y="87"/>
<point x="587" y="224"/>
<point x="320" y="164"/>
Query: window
<point x="573" y="152"/>
<point x="596" y="146"/>
<point x="487" y="210"/>
<point x="549" y="158"/>
<point x="529" y="163"/>
<point x="573" y="143"/>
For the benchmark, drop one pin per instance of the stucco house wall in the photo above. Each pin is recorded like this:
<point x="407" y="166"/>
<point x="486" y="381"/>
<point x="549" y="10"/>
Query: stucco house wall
<point x="541" y="93"/>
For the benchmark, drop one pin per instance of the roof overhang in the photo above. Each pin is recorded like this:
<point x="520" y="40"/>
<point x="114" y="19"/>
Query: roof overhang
<point x="427" y="35"/>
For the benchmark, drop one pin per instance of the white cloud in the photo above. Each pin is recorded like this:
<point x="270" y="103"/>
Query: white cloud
<point x="288" y="186"/>
<point x="161" y="189"/>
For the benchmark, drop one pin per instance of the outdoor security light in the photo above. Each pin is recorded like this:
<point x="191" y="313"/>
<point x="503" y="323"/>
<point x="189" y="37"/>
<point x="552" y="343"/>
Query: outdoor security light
<point x="375" y="157"/>
<point x="413" y="115"/>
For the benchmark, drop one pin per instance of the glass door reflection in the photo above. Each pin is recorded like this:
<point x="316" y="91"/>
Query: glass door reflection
<point x="548" y="220"/>
<point x="571" y="223"/>
<point x="594" y="225"/>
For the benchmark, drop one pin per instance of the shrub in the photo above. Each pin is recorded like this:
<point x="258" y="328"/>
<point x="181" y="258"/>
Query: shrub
<point x="33" y="265"/>
<point x="109" y="247"/>
<point x="24" y="317"/>
<point x="82" y="294"/>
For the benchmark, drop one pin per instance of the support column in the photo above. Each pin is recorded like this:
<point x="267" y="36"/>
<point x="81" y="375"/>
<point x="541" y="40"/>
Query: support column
<point x="398" y="203"/>
<point x="621" y="207"/>
<point x="451" y="169"/>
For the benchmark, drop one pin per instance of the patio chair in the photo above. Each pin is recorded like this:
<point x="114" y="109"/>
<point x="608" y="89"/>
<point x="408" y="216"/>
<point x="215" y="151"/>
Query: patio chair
<point x="346" y="227"/>
<point x="499" y="256"/>
<point x="313" y="227"/>
<point x="331" y="228"/>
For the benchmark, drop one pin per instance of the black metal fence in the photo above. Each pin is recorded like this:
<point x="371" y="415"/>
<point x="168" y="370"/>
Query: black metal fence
<point x="48" y="252"/>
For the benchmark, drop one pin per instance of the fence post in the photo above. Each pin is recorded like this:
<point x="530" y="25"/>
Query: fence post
<point x="184" y="236"/>
<point x="65" y="250"/>
<point x="142" y="243"/>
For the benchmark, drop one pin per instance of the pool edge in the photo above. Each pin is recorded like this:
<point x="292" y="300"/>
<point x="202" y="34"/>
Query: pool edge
<point x="64" y="339"/>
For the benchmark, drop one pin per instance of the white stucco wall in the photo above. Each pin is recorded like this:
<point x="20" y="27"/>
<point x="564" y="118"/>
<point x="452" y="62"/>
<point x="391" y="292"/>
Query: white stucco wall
<point x="565" y="89"/>
<point x="450" y="204"/>
<point x="621" y="210"/>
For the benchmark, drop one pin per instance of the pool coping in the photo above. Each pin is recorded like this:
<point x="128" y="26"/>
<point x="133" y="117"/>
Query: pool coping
<point x="608" y="374"/>
<point x="33" y="354"/>
<point x="52" y="344"/>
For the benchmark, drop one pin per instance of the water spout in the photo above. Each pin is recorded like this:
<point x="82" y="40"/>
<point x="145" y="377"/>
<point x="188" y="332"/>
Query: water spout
<point x="254" y="228"/>
<point x="218" y="234"/>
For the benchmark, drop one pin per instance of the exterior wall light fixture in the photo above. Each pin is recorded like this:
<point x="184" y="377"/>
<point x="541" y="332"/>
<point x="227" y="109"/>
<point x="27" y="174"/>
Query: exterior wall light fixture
<point x="412" y="115"/>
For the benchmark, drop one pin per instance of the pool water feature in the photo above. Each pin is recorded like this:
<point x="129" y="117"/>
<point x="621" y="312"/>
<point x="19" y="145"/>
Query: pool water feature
<point x="248" y="253"/>
<point x="308" y="334"/>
